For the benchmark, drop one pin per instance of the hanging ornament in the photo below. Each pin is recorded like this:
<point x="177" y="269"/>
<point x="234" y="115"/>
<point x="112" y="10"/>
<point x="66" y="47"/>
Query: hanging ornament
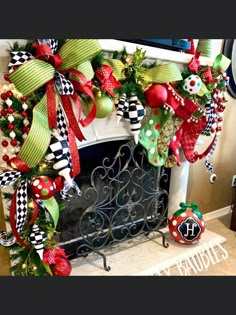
<point x="62" y="267"/>
<point x="58" y="149"/>
<point x="121" y="106"/>
<point x="156" y="95"/>
<point x="37" y="238"/>
<point x="186" y="224"/>
<point x="57" y="259"/>
<point x="134" y="115"/>
<point x="192" y="84"/>
<point x="43" y="187"/>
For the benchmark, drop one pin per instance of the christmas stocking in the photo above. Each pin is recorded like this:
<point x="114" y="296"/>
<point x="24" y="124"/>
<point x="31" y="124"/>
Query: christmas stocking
<point x="163" y="144"/>
<point x="190" y="132"/>
<point x="175" y="145"/>
<point x="150" y="133"/>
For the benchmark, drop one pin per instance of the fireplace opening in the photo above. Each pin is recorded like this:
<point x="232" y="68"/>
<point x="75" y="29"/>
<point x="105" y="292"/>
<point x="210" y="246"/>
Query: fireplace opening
<point x="122" y="196"/>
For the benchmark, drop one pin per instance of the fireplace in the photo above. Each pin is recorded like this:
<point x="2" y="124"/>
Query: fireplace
<point x="122" y="197"/>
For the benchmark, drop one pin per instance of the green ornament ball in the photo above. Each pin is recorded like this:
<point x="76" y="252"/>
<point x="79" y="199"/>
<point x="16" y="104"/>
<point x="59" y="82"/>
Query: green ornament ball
<point x="104" y="106"/>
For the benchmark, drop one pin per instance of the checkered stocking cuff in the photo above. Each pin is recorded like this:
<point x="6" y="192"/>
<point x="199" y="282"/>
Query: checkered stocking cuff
<point x="19" y="57"/>
<point x="8" y="178"/>
<point x="21" y="205"/>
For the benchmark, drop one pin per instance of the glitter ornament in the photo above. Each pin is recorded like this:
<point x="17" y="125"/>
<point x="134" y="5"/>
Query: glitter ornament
<point x="192" y="84"/>
<point x="156" y="95"/>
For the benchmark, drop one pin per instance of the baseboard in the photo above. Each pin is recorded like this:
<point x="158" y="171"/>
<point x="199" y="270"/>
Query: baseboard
<point x="217" y="213"/>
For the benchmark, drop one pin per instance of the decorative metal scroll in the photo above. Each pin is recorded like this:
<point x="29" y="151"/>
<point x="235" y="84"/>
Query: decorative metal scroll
<point x="124" y="199"/>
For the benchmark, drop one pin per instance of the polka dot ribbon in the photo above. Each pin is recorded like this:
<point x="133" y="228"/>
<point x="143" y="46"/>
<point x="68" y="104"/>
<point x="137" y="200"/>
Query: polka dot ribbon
<point x="108" y="81"/>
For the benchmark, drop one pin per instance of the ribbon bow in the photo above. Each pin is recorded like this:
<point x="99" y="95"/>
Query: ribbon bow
<point x="54" y="70"/>
<point x="185" y="206"/>
<point x="109" y="82"/>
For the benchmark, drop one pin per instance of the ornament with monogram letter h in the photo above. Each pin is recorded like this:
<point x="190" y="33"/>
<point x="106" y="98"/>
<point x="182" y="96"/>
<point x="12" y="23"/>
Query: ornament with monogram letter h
<point x="186" y="224"/>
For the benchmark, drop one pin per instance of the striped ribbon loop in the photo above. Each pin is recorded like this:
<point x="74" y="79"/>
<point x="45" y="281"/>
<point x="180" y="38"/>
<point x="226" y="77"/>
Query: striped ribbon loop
<point x="162" y="73"/>
<point x="221" y="63"/>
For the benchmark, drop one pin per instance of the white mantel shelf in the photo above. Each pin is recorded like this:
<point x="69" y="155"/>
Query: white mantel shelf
<point x="164" y="55"/>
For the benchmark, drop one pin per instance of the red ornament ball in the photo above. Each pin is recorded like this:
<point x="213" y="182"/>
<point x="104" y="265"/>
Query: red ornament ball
<point x="3" y="112"/>
<point x="186" y="226"/>
<point x="62" y="267"/>
<point x="13" y="142"/>
<point x="23" y="98"/>
<point x="43" y="187"/>
<point x="156" y="95"/>
<point x="9" y="94"/>
<point x="6" y="77"/>
<point x="3" y="96"/>
<point x="4" y="143"/>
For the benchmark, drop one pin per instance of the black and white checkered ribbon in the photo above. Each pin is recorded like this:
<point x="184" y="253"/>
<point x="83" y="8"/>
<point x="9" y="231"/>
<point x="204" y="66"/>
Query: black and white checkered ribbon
<point x="19" y="58"/>
<point x="7" y="179"/>
<point x="63" y="132"/>
<point x="64" y="86"/>
<point x="211" y="116"/>
<point x="208" y="164"/>
<point x="52" y="43"/>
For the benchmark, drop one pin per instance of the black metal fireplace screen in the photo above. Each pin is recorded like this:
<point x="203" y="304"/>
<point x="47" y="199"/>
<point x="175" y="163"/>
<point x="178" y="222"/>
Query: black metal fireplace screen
<point x="122" y="196"/>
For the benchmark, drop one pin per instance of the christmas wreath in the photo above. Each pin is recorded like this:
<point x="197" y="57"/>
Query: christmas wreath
<point x="54" y="89"/>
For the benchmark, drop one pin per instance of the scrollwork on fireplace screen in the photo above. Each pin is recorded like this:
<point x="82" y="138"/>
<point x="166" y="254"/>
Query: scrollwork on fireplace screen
<point x="124" y="199"/>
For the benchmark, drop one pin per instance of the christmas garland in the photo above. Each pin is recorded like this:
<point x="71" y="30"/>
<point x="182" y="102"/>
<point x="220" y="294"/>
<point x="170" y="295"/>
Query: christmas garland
<point x="54" y="89"/>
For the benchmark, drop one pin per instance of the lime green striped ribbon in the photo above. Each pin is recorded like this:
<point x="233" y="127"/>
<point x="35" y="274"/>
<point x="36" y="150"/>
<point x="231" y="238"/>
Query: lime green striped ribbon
<point x="87" y="69"/>
<point x="38" y="139"/>
<point x="221" y="63"/>
<point x="162" y="73"/>
<point x="32" y="75"/>
<point x="76" y="51"/>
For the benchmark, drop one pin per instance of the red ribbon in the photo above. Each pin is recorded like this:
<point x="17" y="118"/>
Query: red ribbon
<point x="109" y="82"/>
<point x="13" y="221"/>
<point x="44" y="52"/>
<point x="19" y="165"/>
